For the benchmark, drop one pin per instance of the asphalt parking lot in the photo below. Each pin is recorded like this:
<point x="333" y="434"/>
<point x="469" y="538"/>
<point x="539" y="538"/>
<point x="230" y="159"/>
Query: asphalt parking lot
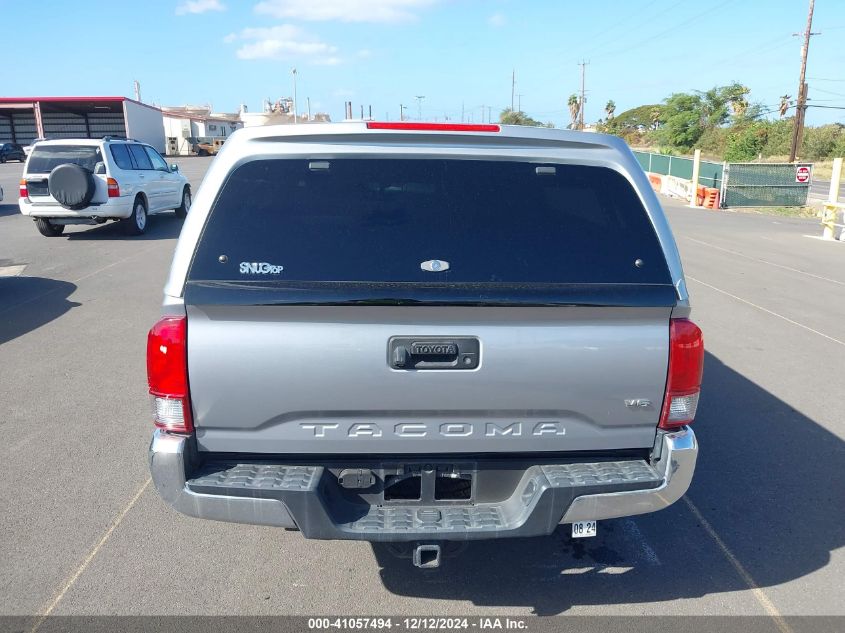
<point x="761" y="531"/>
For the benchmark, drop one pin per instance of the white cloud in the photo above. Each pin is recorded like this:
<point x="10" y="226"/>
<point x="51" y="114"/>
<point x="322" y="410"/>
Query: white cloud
<point x="364" y="53"/>
<point x="199" y="6"/>
<point x="497" y="20"/>
<point x="284" y="41"/>
<point x="344" y="10"/>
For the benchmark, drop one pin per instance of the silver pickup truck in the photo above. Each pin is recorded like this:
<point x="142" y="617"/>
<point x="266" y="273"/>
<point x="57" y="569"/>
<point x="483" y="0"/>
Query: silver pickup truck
<point x="424" y="333"/>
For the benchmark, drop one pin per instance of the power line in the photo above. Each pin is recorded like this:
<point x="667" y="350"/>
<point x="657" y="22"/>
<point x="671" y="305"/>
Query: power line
<point x="631" y="28"/>
<point x="830" y="92"/>
<point x="674" y="27"/>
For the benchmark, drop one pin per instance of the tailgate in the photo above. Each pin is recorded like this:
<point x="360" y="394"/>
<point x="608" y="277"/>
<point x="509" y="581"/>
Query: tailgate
<point x="308" y="270"/>
<point x="318" y="379"/>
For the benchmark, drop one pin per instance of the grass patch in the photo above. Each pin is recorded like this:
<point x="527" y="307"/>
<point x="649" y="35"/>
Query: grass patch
<point x="783" y="212"/>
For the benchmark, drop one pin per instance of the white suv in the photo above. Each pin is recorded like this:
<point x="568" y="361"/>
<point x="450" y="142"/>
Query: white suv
<point x="90" y="181"/>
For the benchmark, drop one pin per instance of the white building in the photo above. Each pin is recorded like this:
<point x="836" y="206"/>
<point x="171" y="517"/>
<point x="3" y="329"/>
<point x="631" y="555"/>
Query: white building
<point x="185" y="126"/>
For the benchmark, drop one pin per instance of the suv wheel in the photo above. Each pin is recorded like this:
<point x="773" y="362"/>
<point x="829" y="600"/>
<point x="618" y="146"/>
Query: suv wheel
<point x="47" y="228"/>
<point x="2" y="159"/>
<point x="182" y="210"/>
<point x="136" y="223"/>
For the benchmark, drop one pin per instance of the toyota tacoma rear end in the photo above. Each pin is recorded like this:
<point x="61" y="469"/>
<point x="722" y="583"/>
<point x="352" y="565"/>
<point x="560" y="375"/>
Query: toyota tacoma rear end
<point x="424" y="333"/>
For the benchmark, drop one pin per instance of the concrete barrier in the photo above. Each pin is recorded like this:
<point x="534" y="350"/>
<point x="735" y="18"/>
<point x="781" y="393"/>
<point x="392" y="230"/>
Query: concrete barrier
<point x="656" y="181"/>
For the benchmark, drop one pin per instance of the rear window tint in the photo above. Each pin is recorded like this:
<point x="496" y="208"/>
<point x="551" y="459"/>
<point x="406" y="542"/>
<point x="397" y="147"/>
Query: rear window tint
<point x="140" y="156"/>
<point x="45" y="158"/>
<point x="373" y="220"/>
<point x="120" y="153"/>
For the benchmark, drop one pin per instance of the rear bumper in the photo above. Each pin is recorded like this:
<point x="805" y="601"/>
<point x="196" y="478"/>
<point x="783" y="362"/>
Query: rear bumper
<point x="113" y="208"/>
<point x="298" y="496"/>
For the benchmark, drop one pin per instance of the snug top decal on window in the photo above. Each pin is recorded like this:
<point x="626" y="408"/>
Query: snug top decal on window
<point x="435" y="265"/>
<point x="260" y="268"/>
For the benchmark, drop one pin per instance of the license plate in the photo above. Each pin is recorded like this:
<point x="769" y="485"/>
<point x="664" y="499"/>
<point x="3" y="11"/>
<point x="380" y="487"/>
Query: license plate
<point x="583" y="529"/>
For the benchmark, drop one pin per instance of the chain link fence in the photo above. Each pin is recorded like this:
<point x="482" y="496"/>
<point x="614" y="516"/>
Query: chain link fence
<point x="766" y="184"/>
<point x="709" y="175"/>
<point x="740" y="184"/>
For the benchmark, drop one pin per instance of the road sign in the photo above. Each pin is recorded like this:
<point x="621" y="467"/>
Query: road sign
<point x="802" y="174"/>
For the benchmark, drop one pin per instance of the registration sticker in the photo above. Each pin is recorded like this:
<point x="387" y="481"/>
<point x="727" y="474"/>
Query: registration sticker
<point x="584" y="529"/>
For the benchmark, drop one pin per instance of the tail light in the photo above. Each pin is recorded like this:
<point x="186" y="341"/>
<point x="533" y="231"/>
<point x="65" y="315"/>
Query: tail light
<point x="683" y="383"/>
<point x="167" y="374"/>
<point x="23" y="191"/>
<point x="114" y="188"/>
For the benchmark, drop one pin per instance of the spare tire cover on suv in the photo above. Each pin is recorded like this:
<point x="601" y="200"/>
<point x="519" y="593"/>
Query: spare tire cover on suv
<point x="71" y="185"/>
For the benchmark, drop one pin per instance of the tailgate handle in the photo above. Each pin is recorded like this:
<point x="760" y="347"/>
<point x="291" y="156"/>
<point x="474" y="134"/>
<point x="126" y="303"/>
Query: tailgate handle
<point x="433" y="353"/>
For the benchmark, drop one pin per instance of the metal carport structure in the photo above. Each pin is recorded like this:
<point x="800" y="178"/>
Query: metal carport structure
<point x="23" y="119"/>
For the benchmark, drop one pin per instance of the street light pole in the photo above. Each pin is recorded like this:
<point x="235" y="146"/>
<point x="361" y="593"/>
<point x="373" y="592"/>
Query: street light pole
<point x="419" y="99"/>
<point x="293" y="72"/>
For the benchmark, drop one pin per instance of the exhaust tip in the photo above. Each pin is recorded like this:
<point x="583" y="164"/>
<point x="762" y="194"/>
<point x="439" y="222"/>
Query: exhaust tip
<point x="427" y="556"/>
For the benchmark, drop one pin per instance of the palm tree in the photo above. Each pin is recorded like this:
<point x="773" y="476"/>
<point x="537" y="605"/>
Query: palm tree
<point x="655" y="117"/>
<point x="610" y="108"/>
<point x="574" y="110"/>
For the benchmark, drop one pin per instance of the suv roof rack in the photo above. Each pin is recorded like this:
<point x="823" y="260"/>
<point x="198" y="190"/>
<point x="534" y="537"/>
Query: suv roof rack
<point x="120" y="138"/>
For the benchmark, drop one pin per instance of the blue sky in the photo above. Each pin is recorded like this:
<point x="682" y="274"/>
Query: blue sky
<point x="457" y="53"/>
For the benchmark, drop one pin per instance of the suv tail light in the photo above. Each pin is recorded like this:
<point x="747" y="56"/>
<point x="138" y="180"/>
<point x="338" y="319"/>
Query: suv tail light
<point x="23" y="191"/>
<point x="114" y="188"/>
<point x="167" y="374"/>
<point x="683" y="383"/>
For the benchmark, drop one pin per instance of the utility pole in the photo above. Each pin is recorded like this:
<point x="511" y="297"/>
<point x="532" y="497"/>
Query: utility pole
<point x="401" y="112"/>
<point x="293" y="72"/>
<point x="801" y="105"/>
<point x="519" y="102"/>
<point x="513" y="86"/>
<point x="583" y="66"/>
<point x="419" y="99"/>
<point x="308" y="99"/>
<point x="462" y="111"/>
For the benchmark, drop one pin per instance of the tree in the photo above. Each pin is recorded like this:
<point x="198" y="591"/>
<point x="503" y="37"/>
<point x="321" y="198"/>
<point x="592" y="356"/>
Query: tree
<point x="633" y="124"/>
<point x="610" y="108"/>
<point x="517" y="117"/>
<point x="689" y="115"/>
<point x="747" y="143"/>
<point x="574" y="110"/>
<point x="656" y="113"/>
<point x="819" y="142"/>
<point x="685" y="120"/>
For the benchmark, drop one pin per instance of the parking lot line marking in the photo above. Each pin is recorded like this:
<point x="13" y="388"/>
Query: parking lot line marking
<point x="759" y="594"/>
<point x="75" y="281"/>
<point x="117" y="520"/>
<point x="766" y="310"/>
<point x="765" y="261"/>
<point x="646" y="552"/>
